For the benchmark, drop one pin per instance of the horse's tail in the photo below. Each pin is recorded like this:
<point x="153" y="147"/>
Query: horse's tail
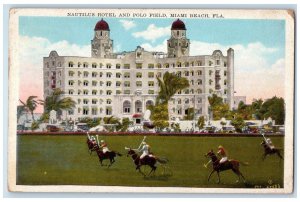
<point x="162" y="160"/>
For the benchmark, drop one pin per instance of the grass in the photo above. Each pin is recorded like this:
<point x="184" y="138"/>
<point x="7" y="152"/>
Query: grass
<point x="64" y="160"/>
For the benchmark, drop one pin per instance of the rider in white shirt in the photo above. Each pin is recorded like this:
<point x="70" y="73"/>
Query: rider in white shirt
<point x="145" y="150"/>
<point x="104" y="146"/>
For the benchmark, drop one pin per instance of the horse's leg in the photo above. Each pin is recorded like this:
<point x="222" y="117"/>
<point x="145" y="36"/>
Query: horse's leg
<point x="278" y="154"/>
<point x="210" y="175"/>
<point x="219" y="179"/>
<point x="264" y="156"/>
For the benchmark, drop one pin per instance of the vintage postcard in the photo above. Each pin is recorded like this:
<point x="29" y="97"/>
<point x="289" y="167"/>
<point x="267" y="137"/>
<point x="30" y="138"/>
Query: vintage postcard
<point x="151" y="100"/>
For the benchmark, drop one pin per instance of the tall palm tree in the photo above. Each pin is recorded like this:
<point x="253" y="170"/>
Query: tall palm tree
<point x="56" y="102"/>
<point x="169" y="86"/>
<point x="30" y="104"/>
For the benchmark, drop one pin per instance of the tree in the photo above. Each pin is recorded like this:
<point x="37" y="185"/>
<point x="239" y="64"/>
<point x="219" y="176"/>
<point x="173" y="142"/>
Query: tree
<point x="112" y="122"/>
<point x="169" y="86"/>
<point x="238" y="123"/>
<point x="30" y="104"/>
<point x="56" y="102"/>
<point x="190" y="114"/>
<point x="160" y="116"/>
<point x="125" y="124"/>
<point x="273" y="108"/>
<point x="218" y="108"/>
<point x="201" y="122"/>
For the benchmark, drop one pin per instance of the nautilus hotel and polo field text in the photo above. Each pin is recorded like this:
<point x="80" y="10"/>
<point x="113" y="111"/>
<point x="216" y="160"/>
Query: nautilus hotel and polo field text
<point x="124" y="84"/>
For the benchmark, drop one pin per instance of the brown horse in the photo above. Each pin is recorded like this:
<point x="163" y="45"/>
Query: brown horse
<point x="92" y="146"/>
<point x="269" y="151"/>
<point x="110" y="155"/>
<point x="230" y="164"/>
<point x="147" y="160"/>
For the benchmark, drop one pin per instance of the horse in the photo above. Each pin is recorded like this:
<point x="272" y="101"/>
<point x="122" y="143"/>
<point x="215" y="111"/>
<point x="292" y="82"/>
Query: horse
<point x="91" y="146"/>
<point x="230" y="164"/>
<point x="108" y="155"/>
<point x="269" y="151"/>
<point x="147" y="160"/>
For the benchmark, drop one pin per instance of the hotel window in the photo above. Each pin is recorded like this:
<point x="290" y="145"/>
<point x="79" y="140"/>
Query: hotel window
<point x="151" y="92"/>
<point x="71" y="92"/>
<point x="94" y="111"/>
<point x="85" y="74"/>
<point x="108" y="111"/>
<point x="179" y="64"/>
<point x="94" y="92"/>
<point x="186" y="101"/>
<point x="199" y="100"/>
<point x="94" y="65"/>
<point x="94" y="74"/>
<point x="85" y="111"/>
<point x="118" y="75"/>
<point x="225" y="73"/>
<point x="139" y="65"/>
<point x="71" y="112"/>
<point x="150" y="66"/>
<point x="186" y="91"/>
<point x="108" y="101"/>
<point x="126" y="75"/>
<point x="186" y="64"/>
<point x="150" y="74"/>
<point x="108" y="92"/>
<point x="199" y="91"/>
<point x="158" y="65"/>
<point x="94" y="83"/>
<point x="150" y="83"/>
<point x="210" y="72"/>
<point x="179" y="101"/>
<point x="100" y="74"/>
<point x="139" y="84"/>
<point x="118" y="92"/>
<point x="127" y="92"/>
<point x="71" y="82"/>
<point x="158" y="74"/>
<point x="139" y="75"/>
<point x="127" y="83"/>
<point x="94" y="101"/>
<point x="179" y="92"/>
<point x="225" y="91"/>
<point x="85" y="92"/>
<point x="192" y="91"/>
<point x="210" y="81"/>
<point x="225" y="64"/>
<point x="108" y="66"/>
<point x="199" y="82"/>
<point x="118" y="83"/>
<point x="85" y="101"/>
<point x="79" y="101"/>
<point x="225" y="82"/>
<point x="85" y="64"/>
<point x="71" y="73"/>
<point x="218" y="62"/>
<point x="101" y="92"/>
<point x="108" y="75"/>
<point x="79" y="92"/>
<point x="126" y="66"/>
<point x="108" y="83"/>
<point x="71" y="64"/>
<point x="210" y="63"/>
<point x="167" y="65"/>
<point x="126" y="107"/>
<point x="186" y="73"/>
<point x="100" y="65"/>
<point x="192" y="73"/>
<point x="85" y="83"/>
<point x="199" y="73"/>
<point x="118" y="66"/>
<point x="79" y="64"/>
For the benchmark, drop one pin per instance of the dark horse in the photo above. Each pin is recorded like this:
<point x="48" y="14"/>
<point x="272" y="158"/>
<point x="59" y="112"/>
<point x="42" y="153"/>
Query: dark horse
<point x="269" y="151"/>
<point x="147" y="160"/>
<point x="92" y="146"/>
<point x="110" y="155"/>
<point x="230" y="164"/>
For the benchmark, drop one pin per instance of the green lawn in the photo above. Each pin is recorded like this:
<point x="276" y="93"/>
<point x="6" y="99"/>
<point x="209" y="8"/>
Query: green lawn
<point x="64" y="160"/>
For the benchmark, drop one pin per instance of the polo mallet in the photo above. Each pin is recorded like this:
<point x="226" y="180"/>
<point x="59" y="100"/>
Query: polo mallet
<point x="142" y="141"/>
<point x="97" y="141"/>
<point x="205" y="165"/>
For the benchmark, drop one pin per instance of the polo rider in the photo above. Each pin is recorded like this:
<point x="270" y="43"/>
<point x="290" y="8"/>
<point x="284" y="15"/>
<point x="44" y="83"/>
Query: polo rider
<point x="222" y="153"/>
<point x="104" y="146"/>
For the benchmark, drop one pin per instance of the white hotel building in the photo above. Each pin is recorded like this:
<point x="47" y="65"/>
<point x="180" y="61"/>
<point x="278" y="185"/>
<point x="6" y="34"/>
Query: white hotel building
<point x="123" y="84"/>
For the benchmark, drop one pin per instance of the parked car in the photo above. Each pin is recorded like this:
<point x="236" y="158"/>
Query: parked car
<point x="82" y="127"/>
<point x="53" y="128"/>
<point x="228" y="129"/>
<point x="209" y="129"/>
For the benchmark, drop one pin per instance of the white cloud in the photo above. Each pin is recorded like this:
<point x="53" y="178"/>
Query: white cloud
<point x="127" y="24"/>
<point x="159" y="48"/>
<point x="31" y="53"/>
<point x="152" y="33"/>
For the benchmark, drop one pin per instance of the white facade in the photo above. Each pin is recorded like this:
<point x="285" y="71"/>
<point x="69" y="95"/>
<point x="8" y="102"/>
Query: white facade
<point x="123" y="84"/>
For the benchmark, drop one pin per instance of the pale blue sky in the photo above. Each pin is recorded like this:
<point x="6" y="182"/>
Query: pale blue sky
<point x="79" y="30"/>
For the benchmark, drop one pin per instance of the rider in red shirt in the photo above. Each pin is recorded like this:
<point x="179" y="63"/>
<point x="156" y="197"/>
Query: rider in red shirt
<point x="222" y="153"/>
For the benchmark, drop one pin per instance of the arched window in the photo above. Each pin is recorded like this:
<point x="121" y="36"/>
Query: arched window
<point x="94" y="65"/>
<point x="138" y="106"/>
<point x="71" y="64"/>
<point x="126" y="107"/>
<point x="149" y="103"/>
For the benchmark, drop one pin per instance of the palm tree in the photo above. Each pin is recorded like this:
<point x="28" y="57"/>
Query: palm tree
<point x="30" y="104"/>
<point x="56" y="102"/>
<point x="169" y="86"/>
